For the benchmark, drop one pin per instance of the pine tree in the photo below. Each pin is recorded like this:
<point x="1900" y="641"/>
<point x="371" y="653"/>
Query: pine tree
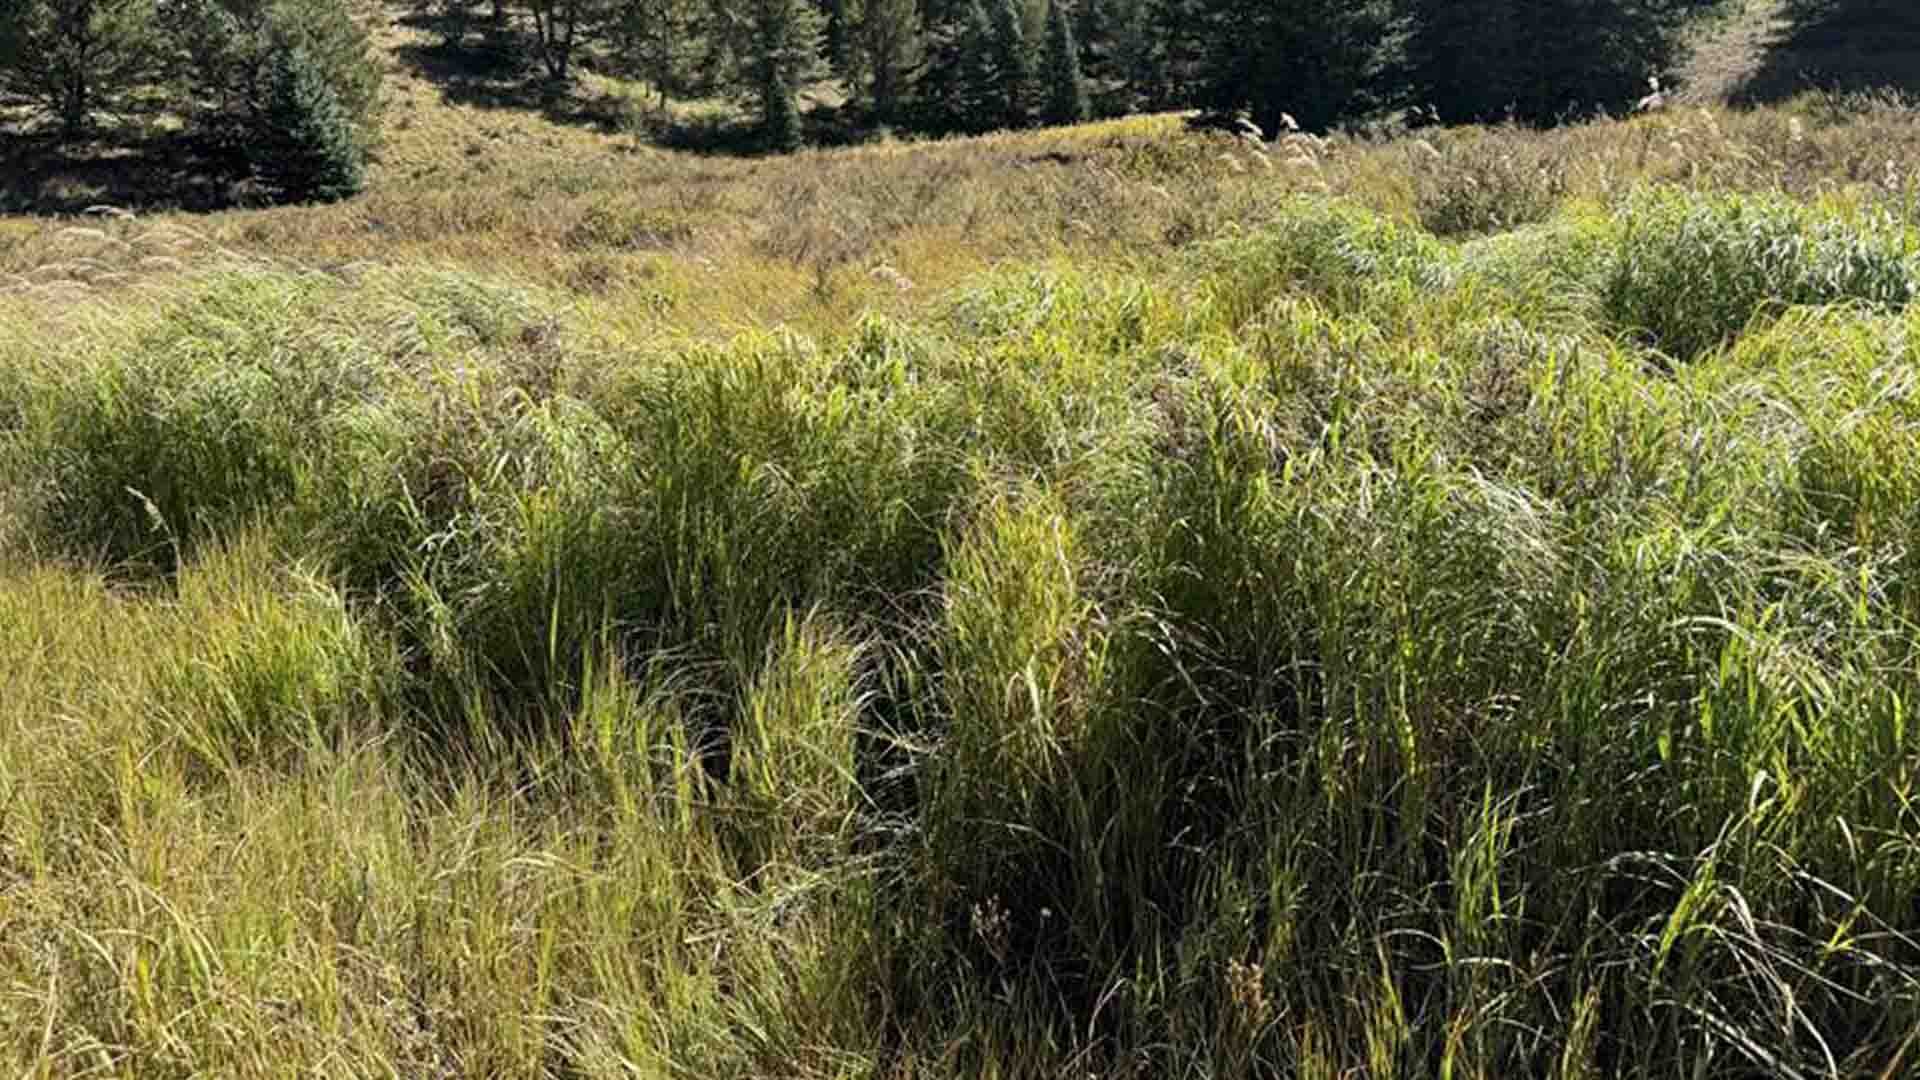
<point x="892" y="48"/>
<point x="1537" y="60"/>
<point x="780" y="116"/>
<point x="1124" y="59"/>
<point x="1319" y="61"/>
<point x="785" y="52"/>
<point x="842" y="46"/>
<point x="1465" y="57"/>
<point x="1012" y="65"/>
<point x="1181" y="47"/>
<point x="74" y="59"/>
<point x="644" y="37"/>
<point x="1066" y="93"/>
<point x="960" y="89"/>
<point x="308" y="149"/>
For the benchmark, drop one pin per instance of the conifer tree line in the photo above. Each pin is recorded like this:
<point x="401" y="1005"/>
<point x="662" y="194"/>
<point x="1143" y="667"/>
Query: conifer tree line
<point x="283" y="90"/>
<point x="946" y="66"/>
<point x="928" y="66"/>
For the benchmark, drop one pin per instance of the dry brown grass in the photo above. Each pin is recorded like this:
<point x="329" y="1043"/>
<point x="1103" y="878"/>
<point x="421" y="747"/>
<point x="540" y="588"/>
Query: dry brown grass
<point x="709" y="243"/>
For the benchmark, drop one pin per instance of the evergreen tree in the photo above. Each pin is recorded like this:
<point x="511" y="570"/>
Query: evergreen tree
<point x="843" y="19"/>
<point x="224" y="55"/>
<point x="1465" y="57"/>
<point x="960" y="89"/>
<point x="890" y="41"/>
<point x="309" y="149"/>
<point x="785" y="53"/>
<point x="1320" y="61"/>
<point x="1124" y="56"/>
<point x="652" y="40"/>
<point x="780" y="116"/>
<point x="1066" y="93"/>
<point x="71" y="60"/>
<point x="1012" y="65"/>
<point x="1537" y="60"/>
<point x="1182" y="45"/>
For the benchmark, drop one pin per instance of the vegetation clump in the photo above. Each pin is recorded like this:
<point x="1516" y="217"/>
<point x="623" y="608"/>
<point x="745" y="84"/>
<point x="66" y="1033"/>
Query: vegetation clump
<point x="1334" y="647"/>
<point x="1116" y="600"/>
<point x="1692" y="270"/>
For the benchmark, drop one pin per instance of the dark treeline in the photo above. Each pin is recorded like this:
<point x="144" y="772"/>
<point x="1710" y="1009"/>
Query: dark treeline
<point x="292" y="80"/>
<point x="281" y="93"/>
<point x="947" y="66"/>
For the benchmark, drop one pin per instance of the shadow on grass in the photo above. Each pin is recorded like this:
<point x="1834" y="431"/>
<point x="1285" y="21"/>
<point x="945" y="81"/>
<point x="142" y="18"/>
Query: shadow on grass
<point x="494" y="74"/>
<point x="44" y="174"/>
<point x="1841" y="45"/>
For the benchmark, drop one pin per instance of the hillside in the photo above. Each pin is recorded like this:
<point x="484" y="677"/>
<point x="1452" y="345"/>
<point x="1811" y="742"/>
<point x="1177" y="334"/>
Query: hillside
<point x="1106" y="601"/>
<point x="1765" y="51"/>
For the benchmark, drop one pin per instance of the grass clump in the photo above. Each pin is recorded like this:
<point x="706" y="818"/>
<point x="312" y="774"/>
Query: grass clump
<point x="1335" y="650"/>
<point x="1692" y="270"/>
<point x="1493" y="183"/>
<point x="1330" y="250"/>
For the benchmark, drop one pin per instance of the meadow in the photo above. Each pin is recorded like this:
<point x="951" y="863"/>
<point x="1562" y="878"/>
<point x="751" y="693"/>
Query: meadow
<point x="1105" y="602"/>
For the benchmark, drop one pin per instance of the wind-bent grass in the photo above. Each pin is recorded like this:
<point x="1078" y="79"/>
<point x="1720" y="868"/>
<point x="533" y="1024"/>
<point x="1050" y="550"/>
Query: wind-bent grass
<point x="1332" y="649"/>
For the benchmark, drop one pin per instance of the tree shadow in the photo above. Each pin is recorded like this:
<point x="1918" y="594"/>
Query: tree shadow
<point x="44" y="173"/>
<point x="485" y="76"/>
<point x="495" y="76"/>
<point x="1840" y="45"/>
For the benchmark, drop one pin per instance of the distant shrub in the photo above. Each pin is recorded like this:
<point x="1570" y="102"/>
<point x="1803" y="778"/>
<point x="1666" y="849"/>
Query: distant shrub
<point x="231" y="62"/>
<point x="311" y="151"/>
<point x="1487" y="184"/>
<point x="1327" y="249"/>
<point x="70" y="60"/>
<point x="1691" y="270"/>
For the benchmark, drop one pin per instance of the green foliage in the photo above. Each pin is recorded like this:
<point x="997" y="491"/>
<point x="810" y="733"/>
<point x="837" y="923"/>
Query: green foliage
<point x="785" y="50"/>
<point x="72" y="60"/>
<point x="300" y="123"/>
<point x="228" y="62"/>
<point x="1123" y="59"/>
<point x="154" y="445"/>
<point x="893" y="49"/>
<point x="1318" y="61"/>
<point x="1332" y="652"/>
<point x="656" y="41"/>
<point x="1691" y="271"/>
<point x="959" y="90"/>
<point x="309" y="147"/>
<point x="1331" y="251"/>
<point x="287" y="671"/>
<point x="1012" y="85"/>
<point x="1538" y="61"/>
<point x="1066" y="92"/>
<point x="780" y="129"/>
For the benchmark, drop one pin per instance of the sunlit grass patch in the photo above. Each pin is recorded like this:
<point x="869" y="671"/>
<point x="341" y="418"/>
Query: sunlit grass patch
<point x="1691" y="271"/>
<point x="1043" y="604"/>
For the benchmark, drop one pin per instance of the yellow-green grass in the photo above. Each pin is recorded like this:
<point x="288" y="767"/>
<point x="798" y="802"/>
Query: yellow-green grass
<point x="1324" y="647"/>
<point x="1095" y="602"/>
<point x="718" y="244"/>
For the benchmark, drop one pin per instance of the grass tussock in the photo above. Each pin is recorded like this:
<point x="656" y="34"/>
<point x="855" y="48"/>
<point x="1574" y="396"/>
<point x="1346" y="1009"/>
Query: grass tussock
<point x="1326" y="620"/>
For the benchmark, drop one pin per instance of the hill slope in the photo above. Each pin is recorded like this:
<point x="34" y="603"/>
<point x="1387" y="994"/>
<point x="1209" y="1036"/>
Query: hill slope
<point x="1096" y="602"/>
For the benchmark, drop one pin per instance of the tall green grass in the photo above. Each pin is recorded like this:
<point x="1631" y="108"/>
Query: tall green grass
<point x="1337" y="651"/>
